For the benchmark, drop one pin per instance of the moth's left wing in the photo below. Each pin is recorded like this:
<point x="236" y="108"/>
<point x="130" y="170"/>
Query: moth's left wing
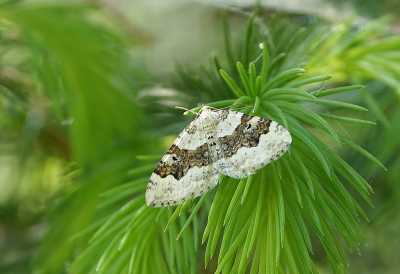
<point x="185" y="172"/>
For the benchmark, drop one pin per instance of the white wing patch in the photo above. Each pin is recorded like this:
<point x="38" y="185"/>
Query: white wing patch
<point x="217" y="141"/>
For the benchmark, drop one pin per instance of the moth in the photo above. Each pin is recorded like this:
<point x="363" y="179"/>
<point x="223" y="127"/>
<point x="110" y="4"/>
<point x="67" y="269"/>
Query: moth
<point x="216" y="142"/>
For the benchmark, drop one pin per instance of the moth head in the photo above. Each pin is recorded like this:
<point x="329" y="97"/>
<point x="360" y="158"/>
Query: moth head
<point x="205" y="108"/>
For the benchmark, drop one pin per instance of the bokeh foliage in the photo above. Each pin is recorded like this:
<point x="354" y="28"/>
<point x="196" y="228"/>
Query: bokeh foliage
<point x="80" y="137"/>
<point x="80" y="72"/>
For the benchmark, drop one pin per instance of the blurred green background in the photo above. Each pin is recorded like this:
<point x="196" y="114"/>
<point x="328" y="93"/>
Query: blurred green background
<point x="89" y="87"/>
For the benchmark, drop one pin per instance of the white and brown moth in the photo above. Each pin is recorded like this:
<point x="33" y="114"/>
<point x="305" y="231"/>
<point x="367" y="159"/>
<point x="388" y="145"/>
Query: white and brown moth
<point x="216" y="142"/>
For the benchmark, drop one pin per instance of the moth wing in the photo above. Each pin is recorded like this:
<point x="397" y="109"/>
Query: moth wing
<point x="185" y="172"/>
<point x="249" y="143"/>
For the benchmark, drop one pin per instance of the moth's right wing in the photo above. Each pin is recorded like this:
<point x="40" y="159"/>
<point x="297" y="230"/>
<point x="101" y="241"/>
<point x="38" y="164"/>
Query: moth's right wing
<point x="249" y="143"/>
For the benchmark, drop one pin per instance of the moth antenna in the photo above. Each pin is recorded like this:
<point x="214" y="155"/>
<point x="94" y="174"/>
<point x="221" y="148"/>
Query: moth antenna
<point x="188" y="110"/>
<point x="244" y="107"/>
<point x="238" y="104"/>
<point x="227" y="107"/>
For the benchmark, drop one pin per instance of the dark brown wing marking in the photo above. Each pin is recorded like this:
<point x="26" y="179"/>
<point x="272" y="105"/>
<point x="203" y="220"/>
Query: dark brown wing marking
<point x="223" y="114"/>
<point x="245" y="135"/>
<point x="183" y="160"/>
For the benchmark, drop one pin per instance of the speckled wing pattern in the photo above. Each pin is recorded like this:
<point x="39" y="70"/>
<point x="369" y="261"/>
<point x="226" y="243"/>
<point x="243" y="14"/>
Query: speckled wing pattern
<point x="216" y="142"/>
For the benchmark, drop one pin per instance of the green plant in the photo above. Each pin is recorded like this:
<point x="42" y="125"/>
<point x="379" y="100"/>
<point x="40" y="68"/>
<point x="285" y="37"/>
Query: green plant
<point x="258" y="223"/>
<point x="264" y="223"/>
<point x="76" y="70"/>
